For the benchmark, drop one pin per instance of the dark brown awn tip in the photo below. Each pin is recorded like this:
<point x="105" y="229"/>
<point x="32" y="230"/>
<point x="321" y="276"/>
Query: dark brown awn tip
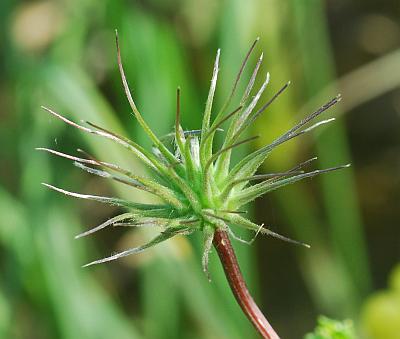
<point x="266" y="176"/>
<point x="316" y="113"/>
<point x="174" y="164"/>
<point x="252" y="79"/>
<point x="246" y="58"/>
<point x="183" y="222"/>
<point x="270" y="101"/>
<point x="233" y="212"/>
<point x="303" y="164"/>
<point x="87" y="154"/>
<point x="292" y="133"/>
<point x="271" y="175"/>
<point x="102" y="163"/>
<point x="218" y="125"/>
<point x="217" y="154"/>
<point x="212" y="215"/>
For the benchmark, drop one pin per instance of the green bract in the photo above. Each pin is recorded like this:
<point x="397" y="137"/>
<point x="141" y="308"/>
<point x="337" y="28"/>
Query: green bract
<point x="199" y="189"/>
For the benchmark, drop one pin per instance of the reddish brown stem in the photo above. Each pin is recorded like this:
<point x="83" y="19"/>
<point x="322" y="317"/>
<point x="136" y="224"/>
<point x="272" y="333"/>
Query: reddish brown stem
<point x="234" y="275"/>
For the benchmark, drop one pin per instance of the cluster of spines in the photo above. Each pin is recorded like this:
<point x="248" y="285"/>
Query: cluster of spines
<point x="198" y="188"/>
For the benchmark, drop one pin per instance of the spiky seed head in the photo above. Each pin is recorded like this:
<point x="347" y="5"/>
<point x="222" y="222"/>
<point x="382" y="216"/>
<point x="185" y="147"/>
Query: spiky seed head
<point x="198" y="188"/>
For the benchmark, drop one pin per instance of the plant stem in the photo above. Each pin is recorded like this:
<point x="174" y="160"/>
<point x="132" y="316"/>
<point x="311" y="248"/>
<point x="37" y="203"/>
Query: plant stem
<point x="229" y="262"/>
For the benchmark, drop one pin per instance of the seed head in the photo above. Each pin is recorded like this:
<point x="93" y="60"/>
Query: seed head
<point x="199" y="189"/>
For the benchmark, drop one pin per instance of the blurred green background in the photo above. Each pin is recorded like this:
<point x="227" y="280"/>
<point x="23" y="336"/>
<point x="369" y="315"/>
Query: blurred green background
<point x="61" y="54"/>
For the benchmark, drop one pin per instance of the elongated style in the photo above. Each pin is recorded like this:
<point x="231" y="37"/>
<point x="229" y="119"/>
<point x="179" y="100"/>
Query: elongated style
<point x="199" y="189"/>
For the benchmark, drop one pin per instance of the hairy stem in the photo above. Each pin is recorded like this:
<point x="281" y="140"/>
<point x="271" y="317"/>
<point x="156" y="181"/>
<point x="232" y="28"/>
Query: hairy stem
<point x="232" y="271"/>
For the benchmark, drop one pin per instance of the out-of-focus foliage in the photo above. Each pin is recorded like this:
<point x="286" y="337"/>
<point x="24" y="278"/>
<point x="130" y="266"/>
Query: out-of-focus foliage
<point x="381" y="312"/>
<point x="332" y="329"/>
<point x="61" y="54"/>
